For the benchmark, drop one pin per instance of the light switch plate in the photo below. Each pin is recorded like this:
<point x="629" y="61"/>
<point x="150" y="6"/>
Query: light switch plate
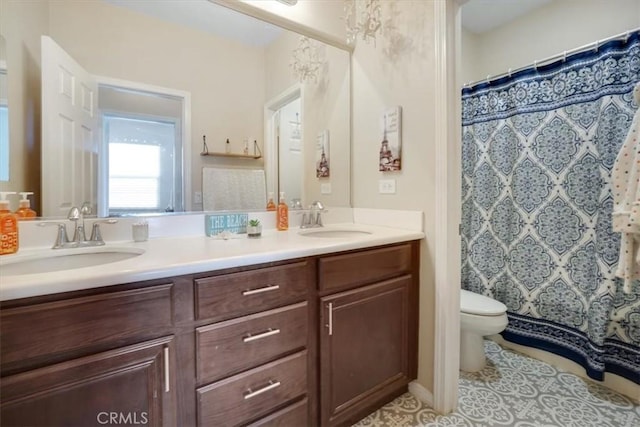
<point x="197" y="197"/>
<point x="325" y="188"/>
<point x="387" y="186"/>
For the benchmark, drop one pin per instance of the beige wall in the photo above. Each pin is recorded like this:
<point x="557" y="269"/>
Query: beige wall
<point x="385" y="76"/>
<point x="21" y="24"/>
<point x="549" y="30"/>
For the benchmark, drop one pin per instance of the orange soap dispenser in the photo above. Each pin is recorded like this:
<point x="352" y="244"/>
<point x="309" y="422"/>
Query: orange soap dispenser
<point x="271" y="206"/>
<point x="282" y="214"/>
<point x="25" y="211"/>
<point x="8" y="226"/>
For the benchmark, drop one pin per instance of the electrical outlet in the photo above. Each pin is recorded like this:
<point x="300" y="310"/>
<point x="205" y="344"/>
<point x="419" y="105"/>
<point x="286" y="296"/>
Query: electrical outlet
<point x="325" y="188"/>
<point x="197" y="197"/>
<point x="387" y="186"/>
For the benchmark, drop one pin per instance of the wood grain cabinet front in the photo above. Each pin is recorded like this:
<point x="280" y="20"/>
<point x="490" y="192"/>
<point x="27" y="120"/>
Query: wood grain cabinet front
<point x="254" y="362"/>
<point x="236" y="294"/>
<point x="368" y="330"/>
<point x="253" y="394"/>
<point x="42" y="333"/>
<point x="126" y="386"/>
<point x="317" y="341"/>
<point x="231" y="346"/>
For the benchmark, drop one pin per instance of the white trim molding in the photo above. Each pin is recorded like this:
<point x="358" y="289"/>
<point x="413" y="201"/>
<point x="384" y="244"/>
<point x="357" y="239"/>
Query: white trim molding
<point x="186" y="131"/>
<point x="447" y="207"/>
<point x="421" y="393"/>
<point x="271" y="148"/>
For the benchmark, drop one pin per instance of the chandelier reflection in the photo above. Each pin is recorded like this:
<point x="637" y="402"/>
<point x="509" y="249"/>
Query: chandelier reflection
<point x="306" y="61"/>
<point x="367" y="24"/>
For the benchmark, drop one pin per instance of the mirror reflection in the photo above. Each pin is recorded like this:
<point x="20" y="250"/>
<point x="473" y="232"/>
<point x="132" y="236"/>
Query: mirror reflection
<point x="4" y="114"/>
<point x="170" y="106"/>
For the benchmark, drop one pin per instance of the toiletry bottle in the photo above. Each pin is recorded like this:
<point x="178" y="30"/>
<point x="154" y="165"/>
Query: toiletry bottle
<point x="282" y="214"/>
<point x="271" y="206"/>
<point x="8" y="226"/>
<point x="227" y="147"/>
<point x="25" y="211"/>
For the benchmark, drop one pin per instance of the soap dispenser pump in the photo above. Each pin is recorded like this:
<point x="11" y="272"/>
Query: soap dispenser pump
<point x="25" y="211"/>
<point x="4" y="201"/>
<point x="8" y="226"/>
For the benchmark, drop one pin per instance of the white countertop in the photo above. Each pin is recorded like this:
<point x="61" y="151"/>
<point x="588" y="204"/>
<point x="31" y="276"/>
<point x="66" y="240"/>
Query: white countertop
<point x="174" y="256"/>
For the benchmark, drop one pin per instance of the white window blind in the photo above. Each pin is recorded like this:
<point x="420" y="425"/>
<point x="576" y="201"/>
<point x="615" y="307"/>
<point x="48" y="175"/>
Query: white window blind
<point x="134" y="176"/>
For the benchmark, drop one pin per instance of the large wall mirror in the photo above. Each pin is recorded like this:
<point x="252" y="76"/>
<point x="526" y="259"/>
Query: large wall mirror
<point x="119" y="101"/>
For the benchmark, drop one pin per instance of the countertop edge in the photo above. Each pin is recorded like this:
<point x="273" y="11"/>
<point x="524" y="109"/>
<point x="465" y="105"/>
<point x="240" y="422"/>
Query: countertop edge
<point x="273" y="247"/>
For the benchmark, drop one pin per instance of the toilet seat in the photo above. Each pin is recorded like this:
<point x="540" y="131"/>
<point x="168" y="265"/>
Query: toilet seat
<point x="473" y="303"/>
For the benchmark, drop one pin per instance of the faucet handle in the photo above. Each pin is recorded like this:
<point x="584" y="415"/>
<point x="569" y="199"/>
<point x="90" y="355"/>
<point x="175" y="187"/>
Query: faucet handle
<point x="96" y="235"/>
<point x="86" y="209"/>
<point x="317" y="205"/>
<point x="62" y="239"/>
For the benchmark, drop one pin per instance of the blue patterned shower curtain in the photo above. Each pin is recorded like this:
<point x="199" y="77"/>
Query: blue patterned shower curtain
<point x="537" y="152"/>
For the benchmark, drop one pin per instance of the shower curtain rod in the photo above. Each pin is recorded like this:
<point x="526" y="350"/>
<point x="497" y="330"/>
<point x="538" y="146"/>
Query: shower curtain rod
<point x="593" y="45"/>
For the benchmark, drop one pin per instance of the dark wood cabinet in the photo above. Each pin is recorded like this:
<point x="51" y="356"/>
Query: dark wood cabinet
<point x="126" y="386"/>
<point x="322" y="340"/>
<point x="255" y="356"/>
<point x="368" y="335"/>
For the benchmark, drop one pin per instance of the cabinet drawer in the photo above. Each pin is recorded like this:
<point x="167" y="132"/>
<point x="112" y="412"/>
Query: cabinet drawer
<point x="359" y="268"/>
<point x="229" y="347"/>
<point x="236" y="294"/>
<point x="252" y="394"/>
<point x="292" y="415"/>
<point x="49" y="329"/>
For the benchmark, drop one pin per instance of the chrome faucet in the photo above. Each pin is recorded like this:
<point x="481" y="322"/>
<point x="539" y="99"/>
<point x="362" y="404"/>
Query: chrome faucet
<point x="313" y="218"/>
<point x="79" y="240"/>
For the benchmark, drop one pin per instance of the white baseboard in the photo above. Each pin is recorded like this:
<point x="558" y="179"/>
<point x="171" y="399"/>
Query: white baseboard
<point x="421" y="393"/>
<point x="612" y="381"/>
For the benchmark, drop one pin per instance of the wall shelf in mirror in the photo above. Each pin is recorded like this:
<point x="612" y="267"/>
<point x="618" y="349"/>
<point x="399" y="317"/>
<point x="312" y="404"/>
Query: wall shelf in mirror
<point x="239" y="156"/>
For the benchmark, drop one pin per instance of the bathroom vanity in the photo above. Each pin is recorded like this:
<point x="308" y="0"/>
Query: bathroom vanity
<point x="322" y="339"/>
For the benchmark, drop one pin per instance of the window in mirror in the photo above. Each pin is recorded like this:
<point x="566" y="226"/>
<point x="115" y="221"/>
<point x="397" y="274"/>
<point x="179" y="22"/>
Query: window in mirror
<point x="143" y="137"/>
<point x="142" y="167"/>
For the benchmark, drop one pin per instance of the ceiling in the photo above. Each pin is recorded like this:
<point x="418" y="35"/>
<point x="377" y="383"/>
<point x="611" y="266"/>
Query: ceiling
<point x="206" y="16"/>
<point x="479" y="16"/>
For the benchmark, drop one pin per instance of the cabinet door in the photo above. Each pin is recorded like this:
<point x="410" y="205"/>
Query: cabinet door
<point x="364" y="342"/>
<point x="126" y="386"/>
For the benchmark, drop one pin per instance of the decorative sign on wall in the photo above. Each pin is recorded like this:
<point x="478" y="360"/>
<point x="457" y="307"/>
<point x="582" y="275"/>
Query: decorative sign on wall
<point x="322" y="155"/>
<point x="391" y="145"/>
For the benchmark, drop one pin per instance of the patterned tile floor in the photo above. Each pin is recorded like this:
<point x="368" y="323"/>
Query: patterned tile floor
<point x="516" y="390"/>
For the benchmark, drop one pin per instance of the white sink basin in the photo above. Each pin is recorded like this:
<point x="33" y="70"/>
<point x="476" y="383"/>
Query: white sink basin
<point x="334" y="233"/>
<point x="65" y="259"/>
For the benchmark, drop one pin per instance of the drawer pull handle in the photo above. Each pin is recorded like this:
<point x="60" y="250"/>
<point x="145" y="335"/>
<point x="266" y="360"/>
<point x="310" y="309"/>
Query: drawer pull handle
<point x="268" y="333"/>
<point x="330" y="325"/>
<point x="270" y="386"/>
<point x="260" y="290"/>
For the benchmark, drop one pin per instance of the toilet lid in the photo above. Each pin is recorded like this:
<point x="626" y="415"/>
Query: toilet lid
<point x="473" y="303"/>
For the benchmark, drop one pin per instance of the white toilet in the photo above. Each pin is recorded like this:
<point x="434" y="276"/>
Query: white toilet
<point x="479" y="316"/>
